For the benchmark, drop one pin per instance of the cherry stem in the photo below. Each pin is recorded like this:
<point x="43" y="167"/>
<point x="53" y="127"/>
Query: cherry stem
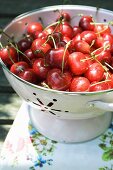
<point x="10" y="56"/>
<point x="108" y="65"/>
<point x="50" y="36"/>
<point x="66" y="47"/>
<point x="16" y="48"/>
<point x="100" y="82"/>
<point x="55" y="23"/>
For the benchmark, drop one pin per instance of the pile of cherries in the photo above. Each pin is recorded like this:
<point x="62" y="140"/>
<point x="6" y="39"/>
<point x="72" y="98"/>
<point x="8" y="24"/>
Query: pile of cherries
<point x="63" y="57"/>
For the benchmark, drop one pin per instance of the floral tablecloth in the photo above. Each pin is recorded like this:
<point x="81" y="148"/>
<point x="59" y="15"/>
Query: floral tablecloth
<point x="26" y="149"/>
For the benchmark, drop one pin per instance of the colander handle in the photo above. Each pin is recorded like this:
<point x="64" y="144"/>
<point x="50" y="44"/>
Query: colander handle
<point x="101" y="105"/>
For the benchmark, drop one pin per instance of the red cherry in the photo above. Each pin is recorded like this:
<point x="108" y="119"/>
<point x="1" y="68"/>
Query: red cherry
<point x="95" y="86"/>
<point x="86" y="23"/>
<point x="102" y="29"/>
<point x="40" y="47"/>
<point x="79" y="84"/>
<point x="103" y="56"/>
<point x="76" y="30"/>
<point x="88" y="36"/>
<point x="95" y="72"/>
<point x="82" y="46"/>
<point x="65" y="29"/>
<point x="66" y="39"/>
<point x="8" y="55"/>
<point x="64" y="16"/>
<point x="57" y="80"/>
<point x="40" y="68"/>
<point x="33" y="27"/>
<point x="77" y="63"/>
<point x="28" y="75"/>
<point x="19" y="67"/>
<point x="57" y="58"/>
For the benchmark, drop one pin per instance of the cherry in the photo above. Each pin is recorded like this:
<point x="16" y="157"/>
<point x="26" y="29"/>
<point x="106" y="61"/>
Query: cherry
<point x="103" y="56"/>
<point x="102" y="29"/>
<point x="40" y="68"/>
<point x="65" y="29"/>
<point x="64" y="16"/>
<point x="77" y="63"/>
<point x="82" y="46"/>
<point x="49" y="30"/>
<point x="61" y="44"/>
<point x="86" y="23"/>
<point x="54" y="38"/>
<point x="95" y="72"/>
<point x="19" y="67"/>
<point x="39" y="47"/>
<point x="33" y="27"/>
<point x="57" y="80"/>
<point x="8" y="55"/>
<point x="28" y="75"/>
<point x="79" y="84"/>
<point x="76" y="30"/>
<point x="104" y="41"/>
<point x="29" y="56"/>
<point x="99" y="86"/>
<point x="24" y="44"/>
<point x="88" y="36"/>
<point x="66" y="39"/>
<point x="57" y="58"/>
<point x="39" y="34"/>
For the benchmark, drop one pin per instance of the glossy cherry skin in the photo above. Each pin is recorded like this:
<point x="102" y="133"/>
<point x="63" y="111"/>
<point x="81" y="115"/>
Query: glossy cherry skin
<point x="95" y="72"/>
<point x="64" y="16"/>
<point x="39" y="47"/>
<point x="65" y="29"/>
<point x="28" y="75"/>
<point x="76" y="30"/>
<point x="89" y="36"/>
<point x="57" y="80"/>
<point x="102" y="29"/>
<point x="29" y="57"/>
<point x="79" y="84"/>
<point x="99" y="86"/>
<point x="82" y="46"/>
<point x="77" y="63"/>
<point x="40" y="68"/>
<point x="24" y="44"/>
<point x="33" y="27"/>
<point x="103" y="56"/>
<point x="86" y="23"/>
<point x="8" y="55"/>
<point x="19" y="67"/>
<point x="57" y="58"/>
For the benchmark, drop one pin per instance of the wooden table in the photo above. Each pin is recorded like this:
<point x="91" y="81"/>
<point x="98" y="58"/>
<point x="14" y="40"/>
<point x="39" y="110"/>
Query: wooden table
<point x="9" y="101"/>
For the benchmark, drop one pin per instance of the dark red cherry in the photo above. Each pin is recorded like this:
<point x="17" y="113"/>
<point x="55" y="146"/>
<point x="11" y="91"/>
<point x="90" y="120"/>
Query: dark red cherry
<point x="57" y="80"/>
<point x="86" y="23"/>
<point x="57" y="58"/>
<point x="28" y="75"/>
<point x="40" y="68"/>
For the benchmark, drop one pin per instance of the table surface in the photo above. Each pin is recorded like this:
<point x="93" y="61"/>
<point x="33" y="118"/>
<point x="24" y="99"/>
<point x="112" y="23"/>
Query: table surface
<point x="30" y="150"/>
<point x="9" y="9"/>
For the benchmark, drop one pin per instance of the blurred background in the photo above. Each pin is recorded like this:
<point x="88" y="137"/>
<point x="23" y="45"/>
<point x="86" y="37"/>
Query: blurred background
<point x="9" y="9"/>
